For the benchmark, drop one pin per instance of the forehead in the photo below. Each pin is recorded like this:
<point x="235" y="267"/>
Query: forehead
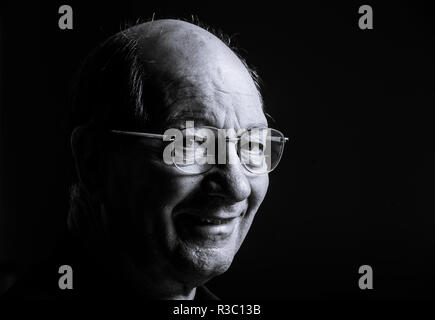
<point x="202" y="80"/>
<point x="213" y="102"/>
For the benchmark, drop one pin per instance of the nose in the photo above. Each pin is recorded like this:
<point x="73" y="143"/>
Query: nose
<point x="229" y="180"/>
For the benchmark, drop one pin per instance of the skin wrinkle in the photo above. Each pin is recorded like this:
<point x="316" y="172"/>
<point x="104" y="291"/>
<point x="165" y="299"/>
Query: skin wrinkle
<point x="228" y="43"/>
<point x="190" y="96"/>
<point x="179" y="119"/>
<point x="201" y="79"/>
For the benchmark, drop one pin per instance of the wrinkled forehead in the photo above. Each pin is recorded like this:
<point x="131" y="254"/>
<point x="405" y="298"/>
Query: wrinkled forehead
<point x="213" y="103"/>
<point x="201" y="79"/>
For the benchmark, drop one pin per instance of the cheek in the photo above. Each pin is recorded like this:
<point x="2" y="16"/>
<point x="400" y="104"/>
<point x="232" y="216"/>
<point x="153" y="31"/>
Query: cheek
<point x="142" y="198"/>
<point x="259" y="186"/>
<point x="167" y="189"/>
<point x="147" y="191"/>
<point x="141" y="183"/>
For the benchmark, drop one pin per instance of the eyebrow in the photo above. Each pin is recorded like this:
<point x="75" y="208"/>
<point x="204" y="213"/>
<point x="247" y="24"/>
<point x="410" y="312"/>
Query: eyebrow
<point x="197" y="116"/>
<point x="204" y="120"/>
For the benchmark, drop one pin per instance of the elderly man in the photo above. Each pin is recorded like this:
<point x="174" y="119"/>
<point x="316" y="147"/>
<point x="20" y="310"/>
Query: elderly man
<point x="150" y="228"/>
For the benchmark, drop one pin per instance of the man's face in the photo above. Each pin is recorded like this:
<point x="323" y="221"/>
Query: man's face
<point x="189" y="227"/>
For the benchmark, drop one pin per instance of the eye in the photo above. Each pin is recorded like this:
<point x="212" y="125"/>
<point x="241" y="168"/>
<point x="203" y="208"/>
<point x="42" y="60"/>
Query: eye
<point x="200" y="138"/>
<point x="256" y="147"/>
<point x="252" y="147"/>
<point x="194" y="146"/>
<point x="253" y="158"/>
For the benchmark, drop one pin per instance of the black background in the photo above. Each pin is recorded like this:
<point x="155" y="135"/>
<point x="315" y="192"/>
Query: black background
<point x="355" y="185"/>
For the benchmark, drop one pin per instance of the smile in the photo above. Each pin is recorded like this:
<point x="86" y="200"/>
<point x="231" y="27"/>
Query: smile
<point x="212" y="221"/>
<point x="208" y="228"/>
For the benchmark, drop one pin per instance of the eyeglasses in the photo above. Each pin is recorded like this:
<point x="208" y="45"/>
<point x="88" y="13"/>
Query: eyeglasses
<point x="193" y="150"/>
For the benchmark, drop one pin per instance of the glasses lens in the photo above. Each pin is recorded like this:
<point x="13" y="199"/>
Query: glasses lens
<point x="195" y="153"/>
<point x="261" y="149"/>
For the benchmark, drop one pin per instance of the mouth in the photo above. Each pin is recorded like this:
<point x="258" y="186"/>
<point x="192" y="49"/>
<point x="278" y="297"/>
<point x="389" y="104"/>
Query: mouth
<point x="209" y="221"/>
<point x="212" y="229"/>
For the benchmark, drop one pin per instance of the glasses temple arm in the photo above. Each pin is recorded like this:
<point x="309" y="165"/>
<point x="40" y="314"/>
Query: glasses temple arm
<point x="141" y="134"/>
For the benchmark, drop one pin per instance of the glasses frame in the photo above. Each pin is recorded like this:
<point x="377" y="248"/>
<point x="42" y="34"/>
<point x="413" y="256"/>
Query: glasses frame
<point x="158" y="136"/>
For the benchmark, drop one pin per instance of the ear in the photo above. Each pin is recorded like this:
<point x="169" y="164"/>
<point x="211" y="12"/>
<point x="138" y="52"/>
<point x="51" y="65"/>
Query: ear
<point x="87" y="157"/>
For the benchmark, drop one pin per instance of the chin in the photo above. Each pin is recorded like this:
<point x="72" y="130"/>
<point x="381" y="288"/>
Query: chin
<point x="200" y="264"/>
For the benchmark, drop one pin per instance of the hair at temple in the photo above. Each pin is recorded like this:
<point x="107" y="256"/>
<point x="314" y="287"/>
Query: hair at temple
<point x="114" y="91"/>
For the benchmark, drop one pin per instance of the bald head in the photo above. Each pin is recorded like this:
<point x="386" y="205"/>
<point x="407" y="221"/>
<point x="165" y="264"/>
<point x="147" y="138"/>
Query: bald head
<point x="180" y="50"/>
<point x="151" y="66"/>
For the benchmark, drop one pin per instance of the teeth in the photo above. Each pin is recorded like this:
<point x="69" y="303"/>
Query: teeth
<point x="212" y="220"/>
<point x="196" y="219"/>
